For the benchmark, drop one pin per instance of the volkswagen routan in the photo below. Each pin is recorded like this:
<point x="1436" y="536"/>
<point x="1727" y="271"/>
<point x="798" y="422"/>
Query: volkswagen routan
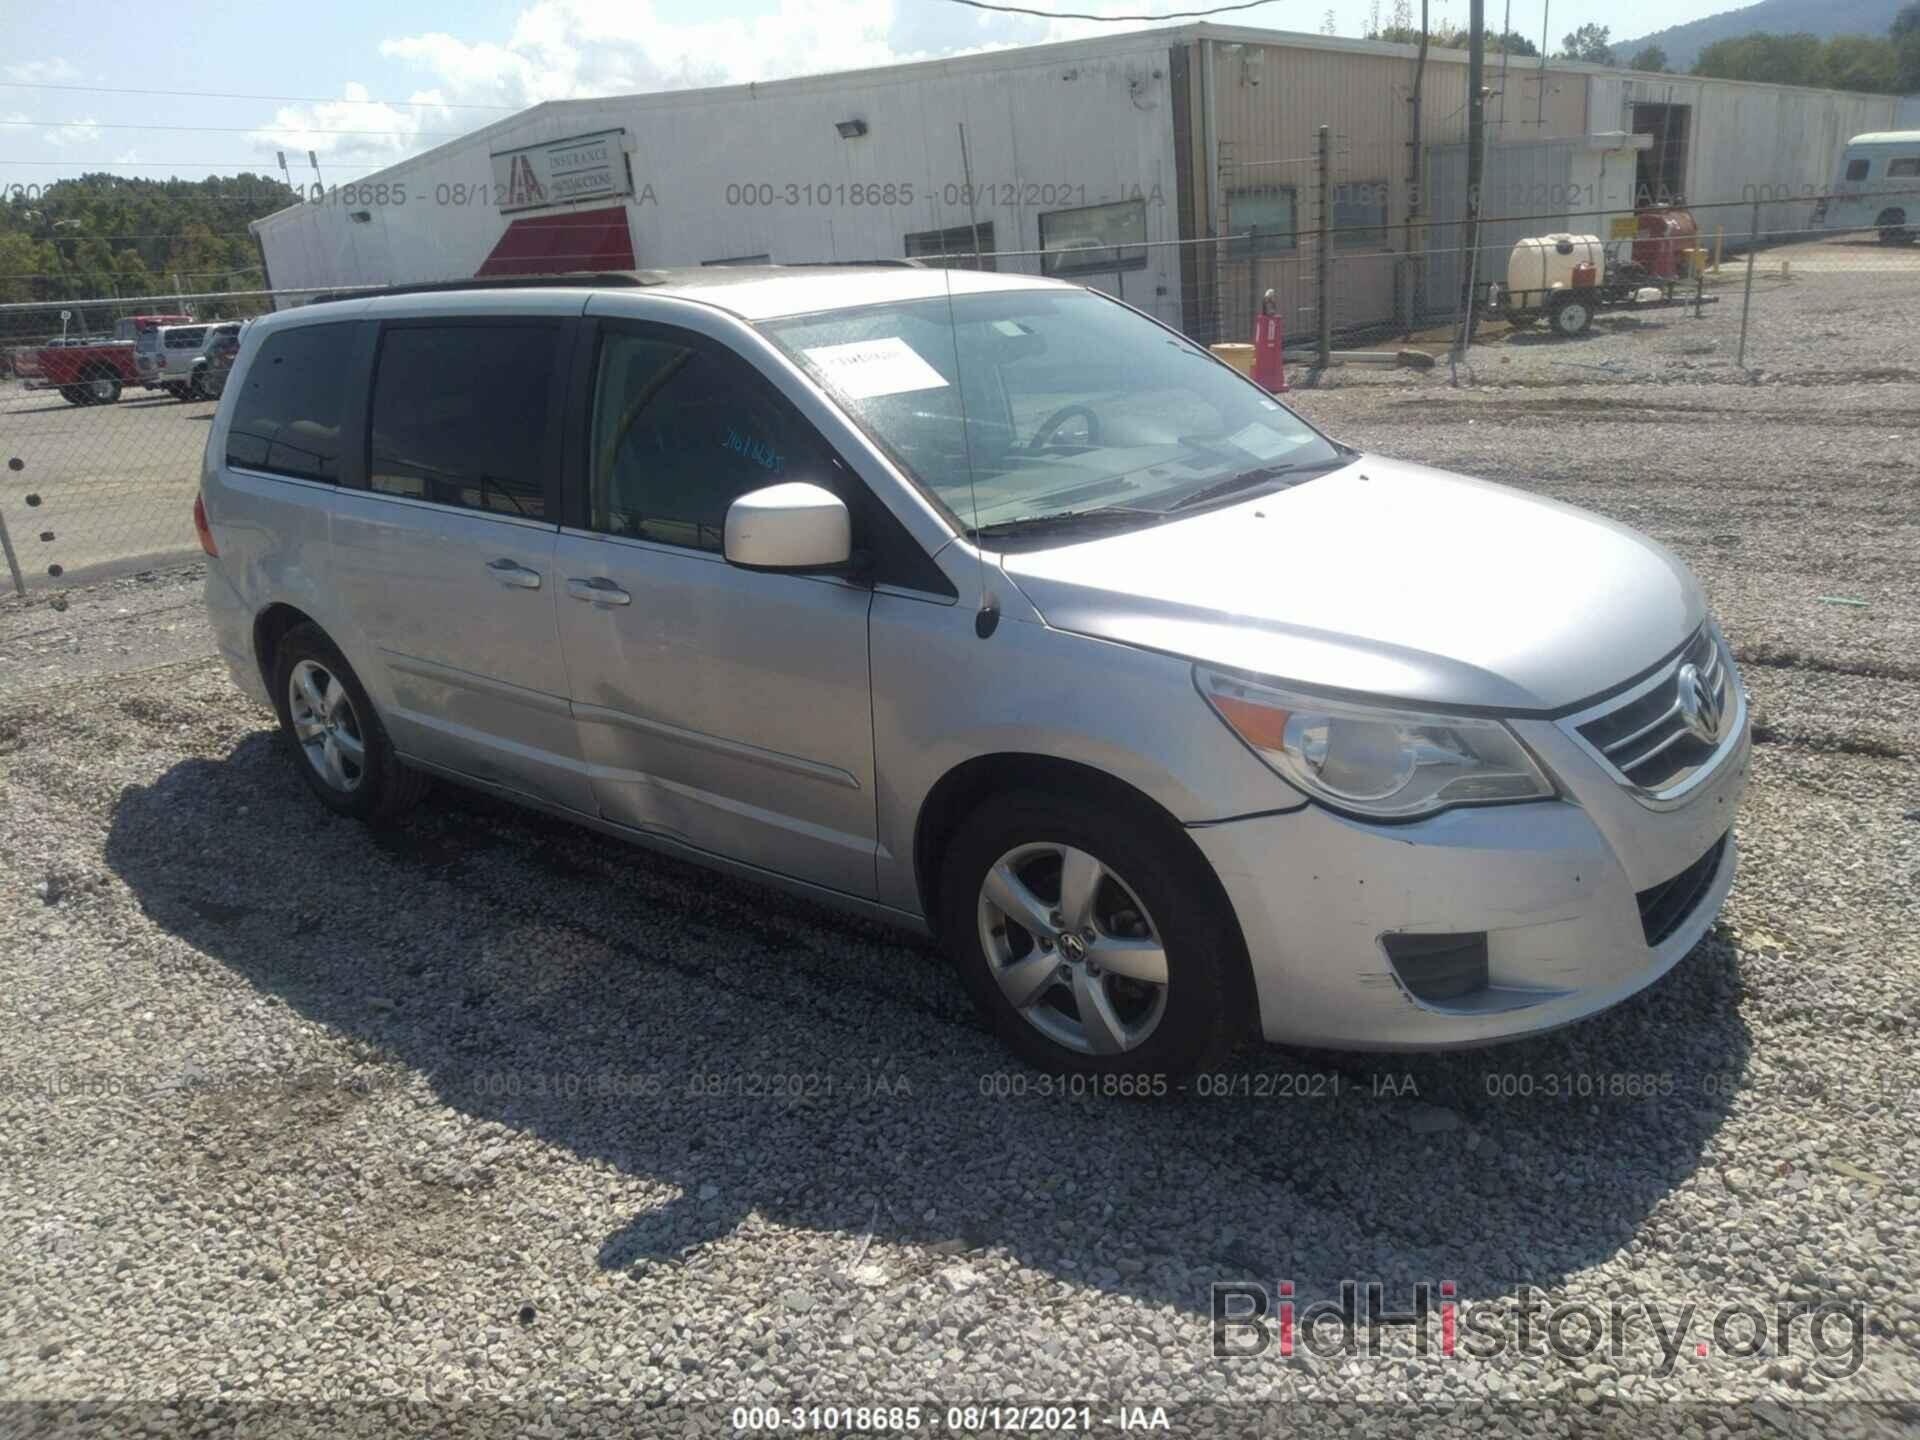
<point x="987" y="605"/>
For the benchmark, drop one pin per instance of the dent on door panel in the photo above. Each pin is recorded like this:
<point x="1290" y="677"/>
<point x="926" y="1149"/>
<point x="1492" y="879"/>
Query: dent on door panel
<point x="726" y="708"/>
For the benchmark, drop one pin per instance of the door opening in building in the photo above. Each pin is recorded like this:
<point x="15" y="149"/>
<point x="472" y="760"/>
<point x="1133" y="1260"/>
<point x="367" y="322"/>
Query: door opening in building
<point x="1661" y="173"/>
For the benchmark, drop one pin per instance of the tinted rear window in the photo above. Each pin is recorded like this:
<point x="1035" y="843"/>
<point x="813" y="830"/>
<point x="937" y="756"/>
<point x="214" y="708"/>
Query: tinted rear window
<point x="460" y="415"/>
<point x="292" y="397"/>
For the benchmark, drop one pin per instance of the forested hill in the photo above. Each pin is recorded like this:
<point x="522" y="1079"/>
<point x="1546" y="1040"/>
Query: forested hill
<point x="1683" y="43"/>
<point x="103" y="235"/>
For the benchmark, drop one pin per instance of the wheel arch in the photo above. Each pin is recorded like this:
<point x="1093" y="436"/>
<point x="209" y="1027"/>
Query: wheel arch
<point x="268" y="627"/>
<point x="969" y="784"/>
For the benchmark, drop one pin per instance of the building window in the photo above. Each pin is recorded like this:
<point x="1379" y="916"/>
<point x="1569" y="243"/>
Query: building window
<point x="967" y="247"/>
<point x="681" y="431"/>
<point x="286" y="418"/>
<point x="1263" y="222"/>
<point x="740" y="260"/>
<point x="1094" y="239"/>
<point x="1857" y="169"/>
<point x="1360" y="213"/>
<point x="1899" y="169"/>
<point x="460" y="415"/>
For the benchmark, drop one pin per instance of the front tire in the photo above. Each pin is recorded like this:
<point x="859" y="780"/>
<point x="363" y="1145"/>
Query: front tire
<point x="1095" y="938"/>
<point x="336" y="736"/>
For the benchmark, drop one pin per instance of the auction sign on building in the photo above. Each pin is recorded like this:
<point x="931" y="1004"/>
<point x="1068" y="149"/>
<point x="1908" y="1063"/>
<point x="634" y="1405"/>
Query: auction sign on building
<point x="559" y="172"/>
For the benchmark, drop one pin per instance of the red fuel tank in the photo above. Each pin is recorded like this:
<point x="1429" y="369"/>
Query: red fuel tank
<point x="1664" y="236"/>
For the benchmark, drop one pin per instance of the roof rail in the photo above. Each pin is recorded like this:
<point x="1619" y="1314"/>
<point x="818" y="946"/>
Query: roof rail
<point x="575" y="280"/>
<point x="893" y="261"/>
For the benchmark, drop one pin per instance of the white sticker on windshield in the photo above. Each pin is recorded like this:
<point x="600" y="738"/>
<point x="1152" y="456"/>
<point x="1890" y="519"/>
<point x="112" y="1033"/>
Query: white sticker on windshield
<point x="1261" y="442"/>
<point x="867" y="369"/>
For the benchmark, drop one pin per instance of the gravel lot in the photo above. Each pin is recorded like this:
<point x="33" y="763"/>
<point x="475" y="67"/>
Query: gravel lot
<point x="488" y="1109"/>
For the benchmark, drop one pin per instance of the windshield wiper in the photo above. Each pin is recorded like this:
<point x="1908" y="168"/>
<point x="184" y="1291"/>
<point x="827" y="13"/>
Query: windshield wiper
<point x="1246" y="479"/>
<point x="1027" y="524"/>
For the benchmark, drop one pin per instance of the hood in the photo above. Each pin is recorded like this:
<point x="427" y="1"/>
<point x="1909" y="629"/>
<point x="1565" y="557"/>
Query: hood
<point x="1389" y="579"/>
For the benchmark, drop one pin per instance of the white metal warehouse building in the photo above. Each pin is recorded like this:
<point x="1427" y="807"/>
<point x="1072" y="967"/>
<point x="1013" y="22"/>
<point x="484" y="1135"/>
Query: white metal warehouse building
<point x="1123" y="158"/>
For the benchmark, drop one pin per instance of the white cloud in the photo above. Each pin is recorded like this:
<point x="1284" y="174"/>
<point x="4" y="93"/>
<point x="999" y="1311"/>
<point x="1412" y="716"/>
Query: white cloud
<point x="561" y="49"/>
<point x="355" y="131"/>
<point x="42" y="72"/>
<point x="81" y="133"/>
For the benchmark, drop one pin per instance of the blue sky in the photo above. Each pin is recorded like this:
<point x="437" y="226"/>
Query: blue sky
<point x="338" y="62"/>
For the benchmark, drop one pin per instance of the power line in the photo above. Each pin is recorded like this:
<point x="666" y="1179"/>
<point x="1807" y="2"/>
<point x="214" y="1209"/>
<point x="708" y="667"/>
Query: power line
<point x="150" y="164"/>
<point x="1080" y="15"/>
<point x="220" y="129"/>
<point x="231" y="95"/>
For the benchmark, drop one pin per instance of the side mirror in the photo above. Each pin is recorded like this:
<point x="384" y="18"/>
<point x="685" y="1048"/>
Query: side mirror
<point x="795" y="526"/>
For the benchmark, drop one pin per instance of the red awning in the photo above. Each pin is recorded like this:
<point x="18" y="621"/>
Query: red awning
<point x="555" y="244"/>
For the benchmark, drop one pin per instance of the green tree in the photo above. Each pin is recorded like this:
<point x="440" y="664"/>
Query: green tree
<point x="1451" y="37"/>
<point x="99" y="235"/>
<point x="1588" y="43"/>
<point x="1905" y="34"/>
<point x="1648" y="57"/>
<point x="1442" y="37"/>
<point x="1776" y="59"/>
<point x="1859" y="62"/>
<point x="23" y="270"/>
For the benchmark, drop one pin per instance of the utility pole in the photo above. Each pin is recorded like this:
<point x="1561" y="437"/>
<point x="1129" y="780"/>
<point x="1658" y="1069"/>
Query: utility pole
<point x="1476" y="141"/>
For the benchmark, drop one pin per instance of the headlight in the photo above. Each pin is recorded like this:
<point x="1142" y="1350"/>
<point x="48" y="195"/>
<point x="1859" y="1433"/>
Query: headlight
<point x="1372" y="761"/>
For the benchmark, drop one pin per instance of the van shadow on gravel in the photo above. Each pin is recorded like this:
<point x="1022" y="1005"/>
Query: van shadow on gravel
<point x="766" y="1056"/>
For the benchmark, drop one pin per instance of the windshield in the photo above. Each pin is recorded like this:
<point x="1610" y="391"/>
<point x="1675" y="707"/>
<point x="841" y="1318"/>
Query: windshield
<point x="1068" y="404"/>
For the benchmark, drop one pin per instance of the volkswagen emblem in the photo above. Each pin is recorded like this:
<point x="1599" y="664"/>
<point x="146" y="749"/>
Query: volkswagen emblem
<point x="1073" y="947"/>
<point x="1699" y="706"/>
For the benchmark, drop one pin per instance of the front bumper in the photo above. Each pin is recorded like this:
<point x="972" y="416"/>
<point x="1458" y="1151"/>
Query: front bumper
<point x="1553" y="886"/>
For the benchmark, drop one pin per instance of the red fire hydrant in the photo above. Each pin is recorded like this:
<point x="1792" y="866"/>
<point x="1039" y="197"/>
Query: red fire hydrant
<point x="1269" y="369"/>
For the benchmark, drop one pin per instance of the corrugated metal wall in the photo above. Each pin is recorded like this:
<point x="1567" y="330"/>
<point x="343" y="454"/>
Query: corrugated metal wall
<point x="1747" y="142"/>
<point x="1744" y="142"/>
<point x="1082" y="124"/>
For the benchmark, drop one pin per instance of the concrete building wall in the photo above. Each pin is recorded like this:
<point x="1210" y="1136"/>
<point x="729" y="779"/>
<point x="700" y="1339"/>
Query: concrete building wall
<point x="761" y="170"/>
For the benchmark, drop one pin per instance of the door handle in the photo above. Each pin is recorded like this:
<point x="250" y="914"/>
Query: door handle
<point x="599" y="590"/>
<point x="512" y="572"/>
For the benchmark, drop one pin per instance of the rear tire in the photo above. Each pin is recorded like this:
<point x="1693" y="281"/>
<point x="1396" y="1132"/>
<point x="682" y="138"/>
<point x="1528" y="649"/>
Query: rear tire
<point x="336" y="737"/>
<point x="1892" y="225"/>
<point x="76" y="395"/>
<point x="102" y="387"/>
<point x="1072" y="990"/>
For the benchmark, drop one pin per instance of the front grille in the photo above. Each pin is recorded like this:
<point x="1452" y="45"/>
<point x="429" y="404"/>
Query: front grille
<point x="1646" y="739"/>
<point x="1664" y="908"/>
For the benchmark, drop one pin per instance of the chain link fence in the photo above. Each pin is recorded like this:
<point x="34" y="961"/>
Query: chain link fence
<point x="105" y="403"/>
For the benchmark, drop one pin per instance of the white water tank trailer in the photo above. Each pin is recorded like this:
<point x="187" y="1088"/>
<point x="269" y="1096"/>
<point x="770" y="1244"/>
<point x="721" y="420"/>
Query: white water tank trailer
<point x="1566" y="278"/>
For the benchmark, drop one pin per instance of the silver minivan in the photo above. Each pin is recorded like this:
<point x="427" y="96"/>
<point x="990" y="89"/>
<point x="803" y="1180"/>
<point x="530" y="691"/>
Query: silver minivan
<point x="987" y="605"/>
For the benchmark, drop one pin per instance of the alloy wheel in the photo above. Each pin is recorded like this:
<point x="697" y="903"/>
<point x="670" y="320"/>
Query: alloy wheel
<point x="1072" y="948"/>
<point x="327" y="726"/>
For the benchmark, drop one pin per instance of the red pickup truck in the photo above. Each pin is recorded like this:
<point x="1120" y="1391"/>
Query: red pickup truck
<point x="94" y="374"/>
